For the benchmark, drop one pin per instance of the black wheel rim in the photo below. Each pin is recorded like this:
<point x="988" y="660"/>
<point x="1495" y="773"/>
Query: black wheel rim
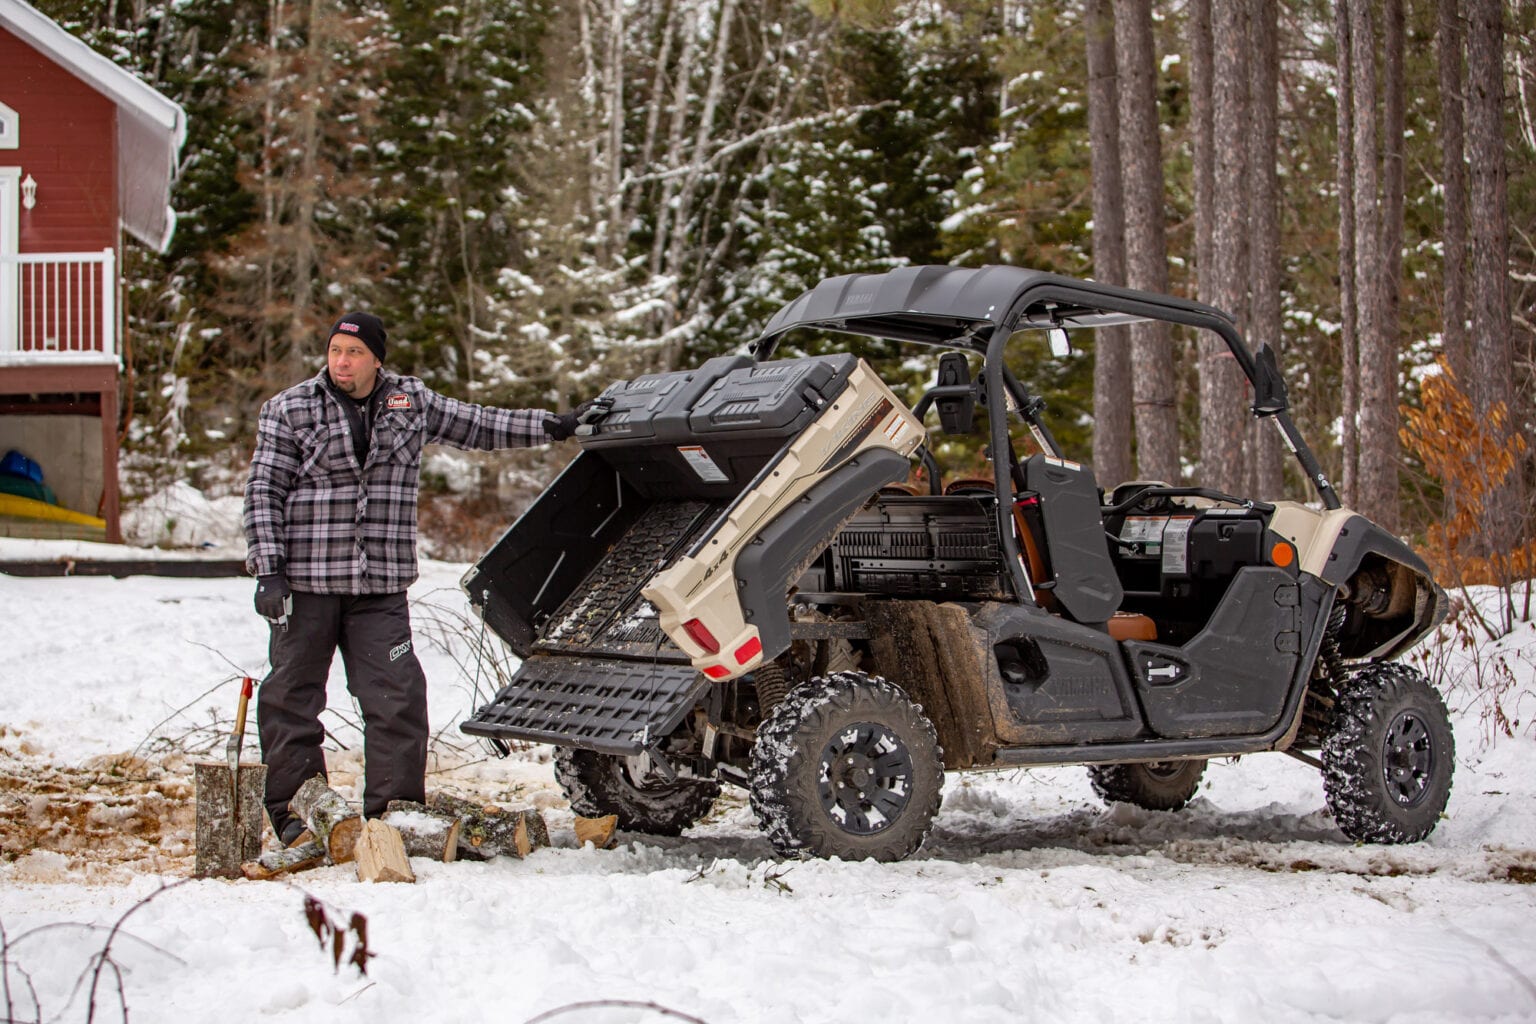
<point x="1164" y="769"/>
<point x="865" y="778"/>
<point x="1408" y="758"/>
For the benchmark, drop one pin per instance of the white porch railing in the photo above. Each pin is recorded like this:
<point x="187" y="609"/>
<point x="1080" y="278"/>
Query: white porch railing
<point x="58" y="305"/>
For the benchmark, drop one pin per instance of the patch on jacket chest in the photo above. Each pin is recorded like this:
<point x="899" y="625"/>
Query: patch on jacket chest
<point x="398" y="400"/>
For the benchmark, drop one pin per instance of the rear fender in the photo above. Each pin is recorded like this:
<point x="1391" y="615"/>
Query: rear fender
<point x="734" y="580"/>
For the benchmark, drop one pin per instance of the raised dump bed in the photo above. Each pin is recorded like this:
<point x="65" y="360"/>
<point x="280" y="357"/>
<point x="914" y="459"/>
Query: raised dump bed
<point x="679" y="477"/>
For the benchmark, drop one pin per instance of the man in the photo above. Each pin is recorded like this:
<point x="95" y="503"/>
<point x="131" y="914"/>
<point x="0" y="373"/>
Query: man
<point x="330" y="518"/>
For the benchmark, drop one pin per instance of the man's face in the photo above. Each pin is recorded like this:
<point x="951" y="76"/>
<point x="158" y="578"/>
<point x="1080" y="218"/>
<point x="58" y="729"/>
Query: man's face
<point x="353" y="367"/>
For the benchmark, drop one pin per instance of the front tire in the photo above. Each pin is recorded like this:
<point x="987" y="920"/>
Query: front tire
<point x="1388" y="762"/>
<point x="1153" y="786"/>
<point x="846" y="766"/>
<point x="599" y="784"/>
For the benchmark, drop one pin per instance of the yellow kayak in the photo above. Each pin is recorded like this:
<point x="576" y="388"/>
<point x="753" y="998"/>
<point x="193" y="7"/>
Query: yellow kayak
<point x="28" y="508"/>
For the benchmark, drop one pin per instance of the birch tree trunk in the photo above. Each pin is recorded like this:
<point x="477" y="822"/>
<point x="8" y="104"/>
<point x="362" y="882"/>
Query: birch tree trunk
<point x="1146" y="247"/>
<point x="1222" y="390"/>
<point x="667" y="29"/>
<point x="666" y="218"/>
<point x="1264" y="247"/>
<point x="1112" y="387"/>
<point x="1449" y="45"/>
<point x="1377" y="484"/>
<point x="677" y="248"/>
<point x="614" y="86"/>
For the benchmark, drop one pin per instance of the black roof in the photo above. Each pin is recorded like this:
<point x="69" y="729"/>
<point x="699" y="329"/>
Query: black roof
<point x="964" y="306"/>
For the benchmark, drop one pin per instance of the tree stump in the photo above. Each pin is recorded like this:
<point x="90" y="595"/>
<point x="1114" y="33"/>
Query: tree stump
<point x="228" y="817"/>
<point x="284" y="862"/>
<point x="334" y="824"/>
<point x="597" y="831"/>
<point x="488" y="830"/>
<point x="425" y="832"/>
<point x="380" y="854"/>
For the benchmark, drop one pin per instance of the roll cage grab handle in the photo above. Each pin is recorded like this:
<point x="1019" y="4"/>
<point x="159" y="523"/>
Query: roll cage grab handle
<point x="1000" y="381"/>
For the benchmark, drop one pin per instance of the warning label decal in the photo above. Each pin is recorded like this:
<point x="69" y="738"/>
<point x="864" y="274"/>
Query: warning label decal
<point x="702" y="464"/>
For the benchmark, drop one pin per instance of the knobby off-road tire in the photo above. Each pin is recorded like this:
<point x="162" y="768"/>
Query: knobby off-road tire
<point x="846" y="766"/>
<point x="1155" y="786"/>
<point x="1387" y="763"/>
<point x="599" y="784"/>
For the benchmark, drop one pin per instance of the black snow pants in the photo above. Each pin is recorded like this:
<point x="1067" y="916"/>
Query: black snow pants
<point x="373" y="633"/>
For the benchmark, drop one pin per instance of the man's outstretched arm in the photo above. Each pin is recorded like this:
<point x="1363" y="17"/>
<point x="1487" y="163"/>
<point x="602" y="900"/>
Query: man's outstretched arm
<point x="483" y="427"/>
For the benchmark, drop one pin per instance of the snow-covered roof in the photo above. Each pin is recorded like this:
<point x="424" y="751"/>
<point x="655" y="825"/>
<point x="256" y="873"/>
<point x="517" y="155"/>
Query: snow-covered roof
<point x="150" y="128"/>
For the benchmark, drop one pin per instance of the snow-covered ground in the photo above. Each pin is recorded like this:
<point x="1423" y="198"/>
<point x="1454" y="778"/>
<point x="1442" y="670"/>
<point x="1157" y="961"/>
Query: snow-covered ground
<point x="1030" y="901"/>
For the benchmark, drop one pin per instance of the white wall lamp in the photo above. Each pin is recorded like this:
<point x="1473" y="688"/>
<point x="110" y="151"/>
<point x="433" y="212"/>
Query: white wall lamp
<point x="28" y="192"/>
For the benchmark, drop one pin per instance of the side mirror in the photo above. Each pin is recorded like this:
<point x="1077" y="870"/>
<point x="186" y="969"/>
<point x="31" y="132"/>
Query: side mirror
<point x="1061" y="345"/>
<point x="1269" y="398"/>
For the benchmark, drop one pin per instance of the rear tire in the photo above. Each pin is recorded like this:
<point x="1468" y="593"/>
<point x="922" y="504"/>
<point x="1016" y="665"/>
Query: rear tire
<point x="599" y="784"/>
<point x="1153" y="786"/>
<point x="846" y="766"/>
<point x="1388" y="762"/>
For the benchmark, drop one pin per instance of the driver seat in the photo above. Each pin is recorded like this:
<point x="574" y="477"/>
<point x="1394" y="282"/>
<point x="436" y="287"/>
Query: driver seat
<point x="1068" y="560"/>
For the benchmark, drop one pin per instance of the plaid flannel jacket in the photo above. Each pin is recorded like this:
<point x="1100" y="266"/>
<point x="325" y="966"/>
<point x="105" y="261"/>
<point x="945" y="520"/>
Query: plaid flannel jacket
<point x="333" y="526"/>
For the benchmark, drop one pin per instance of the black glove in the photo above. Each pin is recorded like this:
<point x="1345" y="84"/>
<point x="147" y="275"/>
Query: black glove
<point x="560" y="426"/>
<point x="273" y="598"/>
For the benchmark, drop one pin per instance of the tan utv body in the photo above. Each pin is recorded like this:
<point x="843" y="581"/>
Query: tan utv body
<point x="700" y="588"/>
<point x="737" y="582"/>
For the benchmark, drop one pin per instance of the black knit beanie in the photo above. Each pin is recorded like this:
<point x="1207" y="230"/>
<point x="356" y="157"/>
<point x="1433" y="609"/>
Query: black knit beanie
<point x="366" y="327"/>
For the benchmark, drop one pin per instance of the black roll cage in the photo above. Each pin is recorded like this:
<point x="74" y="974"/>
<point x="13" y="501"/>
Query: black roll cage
<point x="1040" y="301"/>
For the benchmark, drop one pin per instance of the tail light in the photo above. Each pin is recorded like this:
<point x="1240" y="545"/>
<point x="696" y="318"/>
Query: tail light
<point x="749" y="650"/>
<point x="702" y="636"/>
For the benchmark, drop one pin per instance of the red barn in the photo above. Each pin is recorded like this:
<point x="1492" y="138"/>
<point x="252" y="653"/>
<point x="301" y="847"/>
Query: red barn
<point x="87" y="152"/>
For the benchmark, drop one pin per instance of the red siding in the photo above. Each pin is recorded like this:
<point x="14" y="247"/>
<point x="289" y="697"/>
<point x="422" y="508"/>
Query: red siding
<point x="68" y="144"/>
<point x="68" y="134"/>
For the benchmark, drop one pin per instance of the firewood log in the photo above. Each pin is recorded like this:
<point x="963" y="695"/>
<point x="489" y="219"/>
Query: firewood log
<point x="597" y="831"/>
<point x="284" y="862"/>
<point x="380" y="854"/>
<point x="334" y="824"/>
<point x="489" y="830"/>
<point x="425" y="832"/>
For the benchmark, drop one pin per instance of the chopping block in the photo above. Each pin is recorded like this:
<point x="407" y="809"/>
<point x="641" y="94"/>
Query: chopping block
<point x="229" y="817"/>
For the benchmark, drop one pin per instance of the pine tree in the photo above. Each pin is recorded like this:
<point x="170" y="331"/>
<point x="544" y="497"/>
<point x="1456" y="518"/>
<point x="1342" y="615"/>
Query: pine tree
<point x="1157" y="435"/>
<point x="308" y="254"/>
<point x="1264" y="314"/>
<point x="1224" y="282"/>
<point x="1112" y="387"/>
<point x="452" y="157"/>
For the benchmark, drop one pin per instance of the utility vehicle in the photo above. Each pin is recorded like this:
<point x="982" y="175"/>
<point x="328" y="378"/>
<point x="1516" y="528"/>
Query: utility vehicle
<point x="735" y="582"/>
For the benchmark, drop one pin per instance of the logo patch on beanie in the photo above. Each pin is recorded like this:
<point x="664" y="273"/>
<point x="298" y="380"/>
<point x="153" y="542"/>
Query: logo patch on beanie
<point x="397" y="401"/>
<point x="349" y="328"/>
